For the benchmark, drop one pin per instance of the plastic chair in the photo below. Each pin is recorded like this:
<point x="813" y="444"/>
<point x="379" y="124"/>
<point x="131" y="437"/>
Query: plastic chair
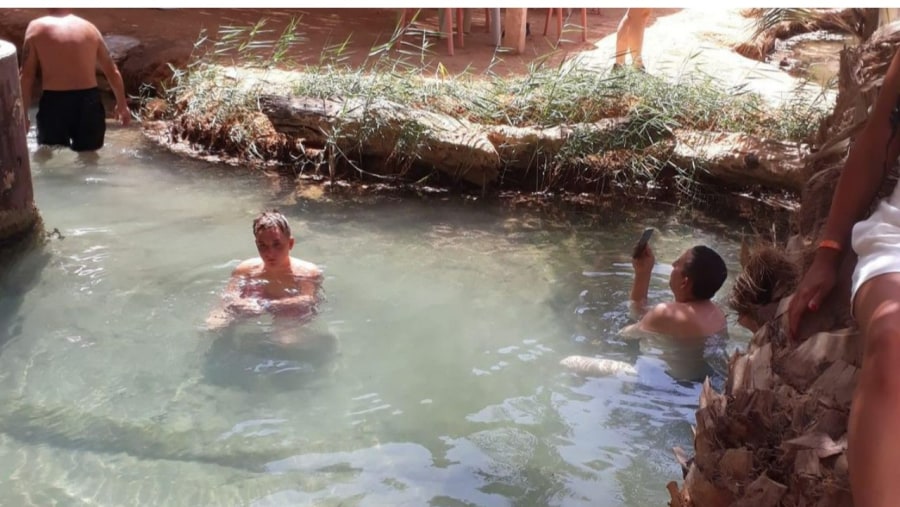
<point x="406" y="16"/>
<point x="559" y="23"/>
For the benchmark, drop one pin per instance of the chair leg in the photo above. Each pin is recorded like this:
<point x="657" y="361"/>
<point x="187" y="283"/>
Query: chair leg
<point x="459" y="26"/>
<point x="559" y="23"/>
<point x="547" y="20"/>
<point x="448" y="29"/>
<point x="584" y="25"/>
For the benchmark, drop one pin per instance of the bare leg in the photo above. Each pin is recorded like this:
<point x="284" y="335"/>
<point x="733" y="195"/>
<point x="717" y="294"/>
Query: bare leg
<point x="288" y="328"/>
<point x="42" y="154"/>
<point x="637" y="21"/>
<point x="621" y="38"/>
<point x="873" y="452"/>
<point x="88" y="157"/>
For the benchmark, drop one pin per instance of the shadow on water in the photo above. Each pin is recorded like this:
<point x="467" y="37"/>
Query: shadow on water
<point x="267" y="360"/>
<point x="22" y="273"/>
<point x="235" y="359"/>
<point x="68" y="428"/>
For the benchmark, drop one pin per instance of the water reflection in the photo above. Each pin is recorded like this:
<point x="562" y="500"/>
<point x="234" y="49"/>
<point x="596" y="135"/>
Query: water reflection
<point x="21" y="273"/>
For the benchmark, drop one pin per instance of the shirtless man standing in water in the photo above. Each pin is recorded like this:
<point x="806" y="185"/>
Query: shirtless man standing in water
<point x="274" y="282"/>
<point x="68" y="50"/>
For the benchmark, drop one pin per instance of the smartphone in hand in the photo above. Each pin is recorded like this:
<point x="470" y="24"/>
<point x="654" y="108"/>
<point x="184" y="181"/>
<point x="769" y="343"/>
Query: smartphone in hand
<point x="642" y="243"/>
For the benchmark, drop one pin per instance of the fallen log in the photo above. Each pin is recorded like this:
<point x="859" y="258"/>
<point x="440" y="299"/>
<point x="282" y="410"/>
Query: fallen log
<point x="387" y="130"/>
<point x="390" y="131"/>
<point x="740" y="159"/>
<point x="525" y="147"/>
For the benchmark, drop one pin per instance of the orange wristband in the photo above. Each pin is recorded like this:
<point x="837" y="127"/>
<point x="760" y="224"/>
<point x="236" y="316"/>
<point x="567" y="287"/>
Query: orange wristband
<point x="830" y="244"/>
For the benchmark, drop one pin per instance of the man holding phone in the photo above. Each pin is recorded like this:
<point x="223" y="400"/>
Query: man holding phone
<point x="696" y="276"/>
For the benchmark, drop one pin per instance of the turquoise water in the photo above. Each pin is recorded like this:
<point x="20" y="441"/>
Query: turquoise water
<point x="431" y="377"/>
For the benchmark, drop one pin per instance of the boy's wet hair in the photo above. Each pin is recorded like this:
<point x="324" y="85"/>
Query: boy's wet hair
<point x="271" y="219"/>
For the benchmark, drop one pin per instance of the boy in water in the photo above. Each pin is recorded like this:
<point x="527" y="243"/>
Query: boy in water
<point x="274" y="282"/>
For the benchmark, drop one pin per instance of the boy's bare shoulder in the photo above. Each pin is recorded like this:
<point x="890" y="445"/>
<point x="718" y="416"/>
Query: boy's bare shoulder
<point x="305" y="268"/>
<point x="248" y="267"/>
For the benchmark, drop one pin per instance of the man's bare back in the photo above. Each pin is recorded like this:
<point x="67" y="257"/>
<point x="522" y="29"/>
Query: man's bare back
<point x="68" y="50"/>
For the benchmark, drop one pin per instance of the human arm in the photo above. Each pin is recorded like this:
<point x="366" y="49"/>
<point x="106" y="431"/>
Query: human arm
<point x="233" y="303"/>
<point x="307" y="282"/>
<point x="111" y="71"/>
<point x="233" y="299"/>
<point x="28" y="70"/>
<point x="643" y="267"/>
<point x="300" y="305"/>
<point x="868" y="162"/>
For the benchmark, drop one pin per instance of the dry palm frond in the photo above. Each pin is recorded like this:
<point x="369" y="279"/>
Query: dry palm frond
<point x="774" y="24"/>
<point x="856" y="22"/>
<point x="768" y="276"/>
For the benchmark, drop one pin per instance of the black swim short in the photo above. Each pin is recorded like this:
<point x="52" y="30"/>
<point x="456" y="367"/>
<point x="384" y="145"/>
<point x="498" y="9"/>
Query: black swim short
<point x="72" y="118"/>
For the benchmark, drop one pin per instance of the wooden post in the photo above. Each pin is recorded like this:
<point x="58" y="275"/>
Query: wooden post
<point x="514" y="21"/>
<point x="18" y="214"/>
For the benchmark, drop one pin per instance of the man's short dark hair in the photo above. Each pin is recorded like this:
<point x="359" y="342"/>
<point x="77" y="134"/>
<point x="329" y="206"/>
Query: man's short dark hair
<point x="706" y="270"/>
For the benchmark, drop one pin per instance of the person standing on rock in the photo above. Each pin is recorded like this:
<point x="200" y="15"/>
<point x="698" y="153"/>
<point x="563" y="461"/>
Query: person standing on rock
<point x="872" y="449"/>
<point x="68" y="49"/>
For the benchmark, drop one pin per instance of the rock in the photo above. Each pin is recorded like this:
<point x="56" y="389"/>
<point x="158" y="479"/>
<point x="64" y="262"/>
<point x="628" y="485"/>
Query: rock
<point x="151" y="64"/>
<point x="119" y="46"/>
